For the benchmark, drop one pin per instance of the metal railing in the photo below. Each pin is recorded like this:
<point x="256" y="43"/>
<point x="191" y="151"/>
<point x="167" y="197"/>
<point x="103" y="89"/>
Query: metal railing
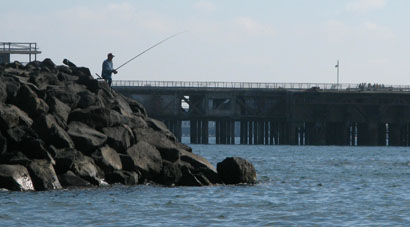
<point x="253" y="85"/>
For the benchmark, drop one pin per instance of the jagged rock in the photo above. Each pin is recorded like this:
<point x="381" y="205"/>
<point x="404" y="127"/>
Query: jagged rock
<point x="161" y="127"/>
<point x="97" y="117"/>
<point x="235" y="170"/>
<point x="201" y="167"/>
<point x="15" y="158"/>
<point x="48" y="63"/>
<point x="68" y="63"/>
<point x="3" y="144"/>
<point x="69" y="179"/>
<point x="146" y="159"/>
<point x="3" y="92"/>
<point x="121" y="106"/>
<point x="87" y="99"/>
<point x="85" y="167"/>
<point x="48" y="129"/>
<point x="136" y="107"/>
<point x="43" y="175"/>
<point x="123" y="177"/>
<point x="68" y="94"/>
<point x="120" y="138"/>
<point x="59" y="110"/>
<point x="64" y="69"/>
<point x="42" y="80"/>
<point x="65" y="159"/>
<point x="171" y="173"/>
<point x="28" y="101"/>
<point x="85" y="138"/>
<point x="155" y="138"/>
<point x="15" y="177"/>
<point x="12" y="116"/>
<point x="12" y="87"/>
<point x="107" y="158"/>
<point x="127" y="162"/>
<point x="171" y="154"/>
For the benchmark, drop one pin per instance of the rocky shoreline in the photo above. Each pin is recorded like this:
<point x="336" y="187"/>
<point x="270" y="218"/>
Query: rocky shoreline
<point x="61" y="128"/>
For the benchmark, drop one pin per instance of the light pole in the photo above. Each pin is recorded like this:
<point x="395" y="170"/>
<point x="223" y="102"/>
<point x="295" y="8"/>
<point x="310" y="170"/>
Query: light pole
<point x="337" y="66"/>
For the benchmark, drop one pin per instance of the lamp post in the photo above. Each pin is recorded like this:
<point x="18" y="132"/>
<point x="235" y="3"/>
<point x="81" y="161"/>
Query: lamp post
<point x="337" y="66"/>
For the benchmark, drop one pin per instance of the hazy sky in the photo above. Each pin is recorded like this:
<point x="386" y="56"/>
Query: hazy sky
<point x="228" y="40"/>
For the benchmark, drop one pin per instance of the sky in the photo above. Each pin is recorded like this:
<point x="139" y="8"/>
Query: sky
<point x="297" y="41"/>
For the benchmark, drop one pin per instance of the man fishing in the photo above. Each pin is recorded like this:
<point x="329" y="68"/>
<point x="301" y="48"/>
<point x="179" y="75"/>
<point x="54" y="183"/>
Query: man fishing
<point x="108" y="69"/>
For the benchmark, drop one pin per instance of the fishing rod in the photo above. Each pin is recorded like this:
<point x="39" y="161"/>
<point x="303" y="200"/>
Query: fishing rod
<point x="170" y="37"/>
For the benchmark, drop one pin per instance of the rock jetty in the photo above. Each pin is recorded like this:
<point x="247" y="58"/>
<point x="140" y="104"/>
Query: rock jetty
<point x="61" y="128"/>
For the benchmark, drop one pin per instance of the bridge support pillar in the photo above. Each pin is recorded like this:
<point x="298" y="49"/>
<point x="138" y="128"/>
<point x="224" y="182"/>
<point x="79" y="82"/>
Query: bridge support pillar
<point x="260" y="131"/>
<point x="218" y="131"/>
<point x="244" y="132"/>
<point x="273" y="136"/>
<point x="367" y="134"/>
<point x="194" y="131"/>
<point x="204" y="132"/>
<point x="337" y="133"/>
<point x="250" y="132"/>
<point x="395" y="134"/>
<point x="316" y="133"/>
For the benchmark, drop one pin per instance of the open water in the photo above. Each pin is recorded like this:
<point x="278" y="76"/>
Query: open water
<point x="298" y="185"/>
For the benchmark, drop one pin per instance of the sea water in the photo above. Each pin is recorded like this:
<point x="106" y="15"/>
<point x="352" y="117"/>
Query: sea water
<point x="297" y="185"/>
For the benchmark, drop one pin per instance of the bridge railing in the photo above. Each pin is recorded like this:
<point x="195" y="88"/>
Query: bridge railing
<point x="278" y="85"/>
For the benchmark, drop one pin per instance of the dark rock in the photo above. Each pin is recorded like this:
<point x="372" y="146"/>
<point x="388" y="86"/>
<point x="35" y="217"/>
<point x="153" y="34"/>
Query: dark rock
<point x="70" y="179"/>
<point x="189" y="178"/>
<point x="136" y="106"/>
<point x="48" y="129"/>
<point x="123" y="177"/>
<point x="28" y="101"/>
<point x="65" y="76"/>
<point x="3" y="92"/>
<point x="43" y="175"/>
<point x="18" y="135"/>
<point x="235" y="170"/>
<point x="16" y="158"/>
<point x="42" y="80"/>
<point x="60" y="110"/>
<point x="63" y="69"/>
<point x="85" y="167"/>
<point x="68" y="63"/>
<point x="82" y="72"/>
<point x="200" y="165"/>
<point x="171" y="173"/>
<point x="34" y="64"/>
<point x="107" y="158"/>
<point x="85" y="138"/>
<point x="155" y="138"/>
<point x="120" y="138"/>
<point x="3" y="144"/>
<point x="15" y="177"/>
<point x="127" y="162"/>
<point x="146" y="159"/>
<point x="12" y="116"/>
<point x="161" y="127"/>
<point x="68" y="94"/>
<point x="65" y="159"/>
<point x="171" y="154"/>
<point x="88" y="99"/>
<point x="120" y="105"/>
<point x="48" y="63"/>
<point x="12" y="87"/>
<point x="97" y="117"/>
<point x="15" y="65"/>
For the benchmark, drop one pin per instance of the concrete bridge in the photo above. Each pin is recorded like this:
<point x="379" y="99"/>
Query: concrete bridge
<point x="279" y="113"/>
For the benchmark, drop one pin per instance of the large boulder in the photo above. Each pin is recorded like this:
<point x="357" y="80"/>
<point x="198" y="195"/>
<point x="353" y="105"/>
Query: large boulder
<point x="51" y="132"/>
<point x="107" y="158"/>
<point x="43" y="175"/>
<point x="12" y="116"/>
<point x="97" y="117"/>
<point x="123" y="177"/>
<point x="120" y="137"/>
<point x="29" y="102"/>
<point x="146" y="159"/>
<point x="86" y="168"/>
<point x="15" y="177"/>
<point x="235" y="170"/>
<point x="70" y="179"/>
<point x="86" y="139"/>
<point x="60" y="110"/>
